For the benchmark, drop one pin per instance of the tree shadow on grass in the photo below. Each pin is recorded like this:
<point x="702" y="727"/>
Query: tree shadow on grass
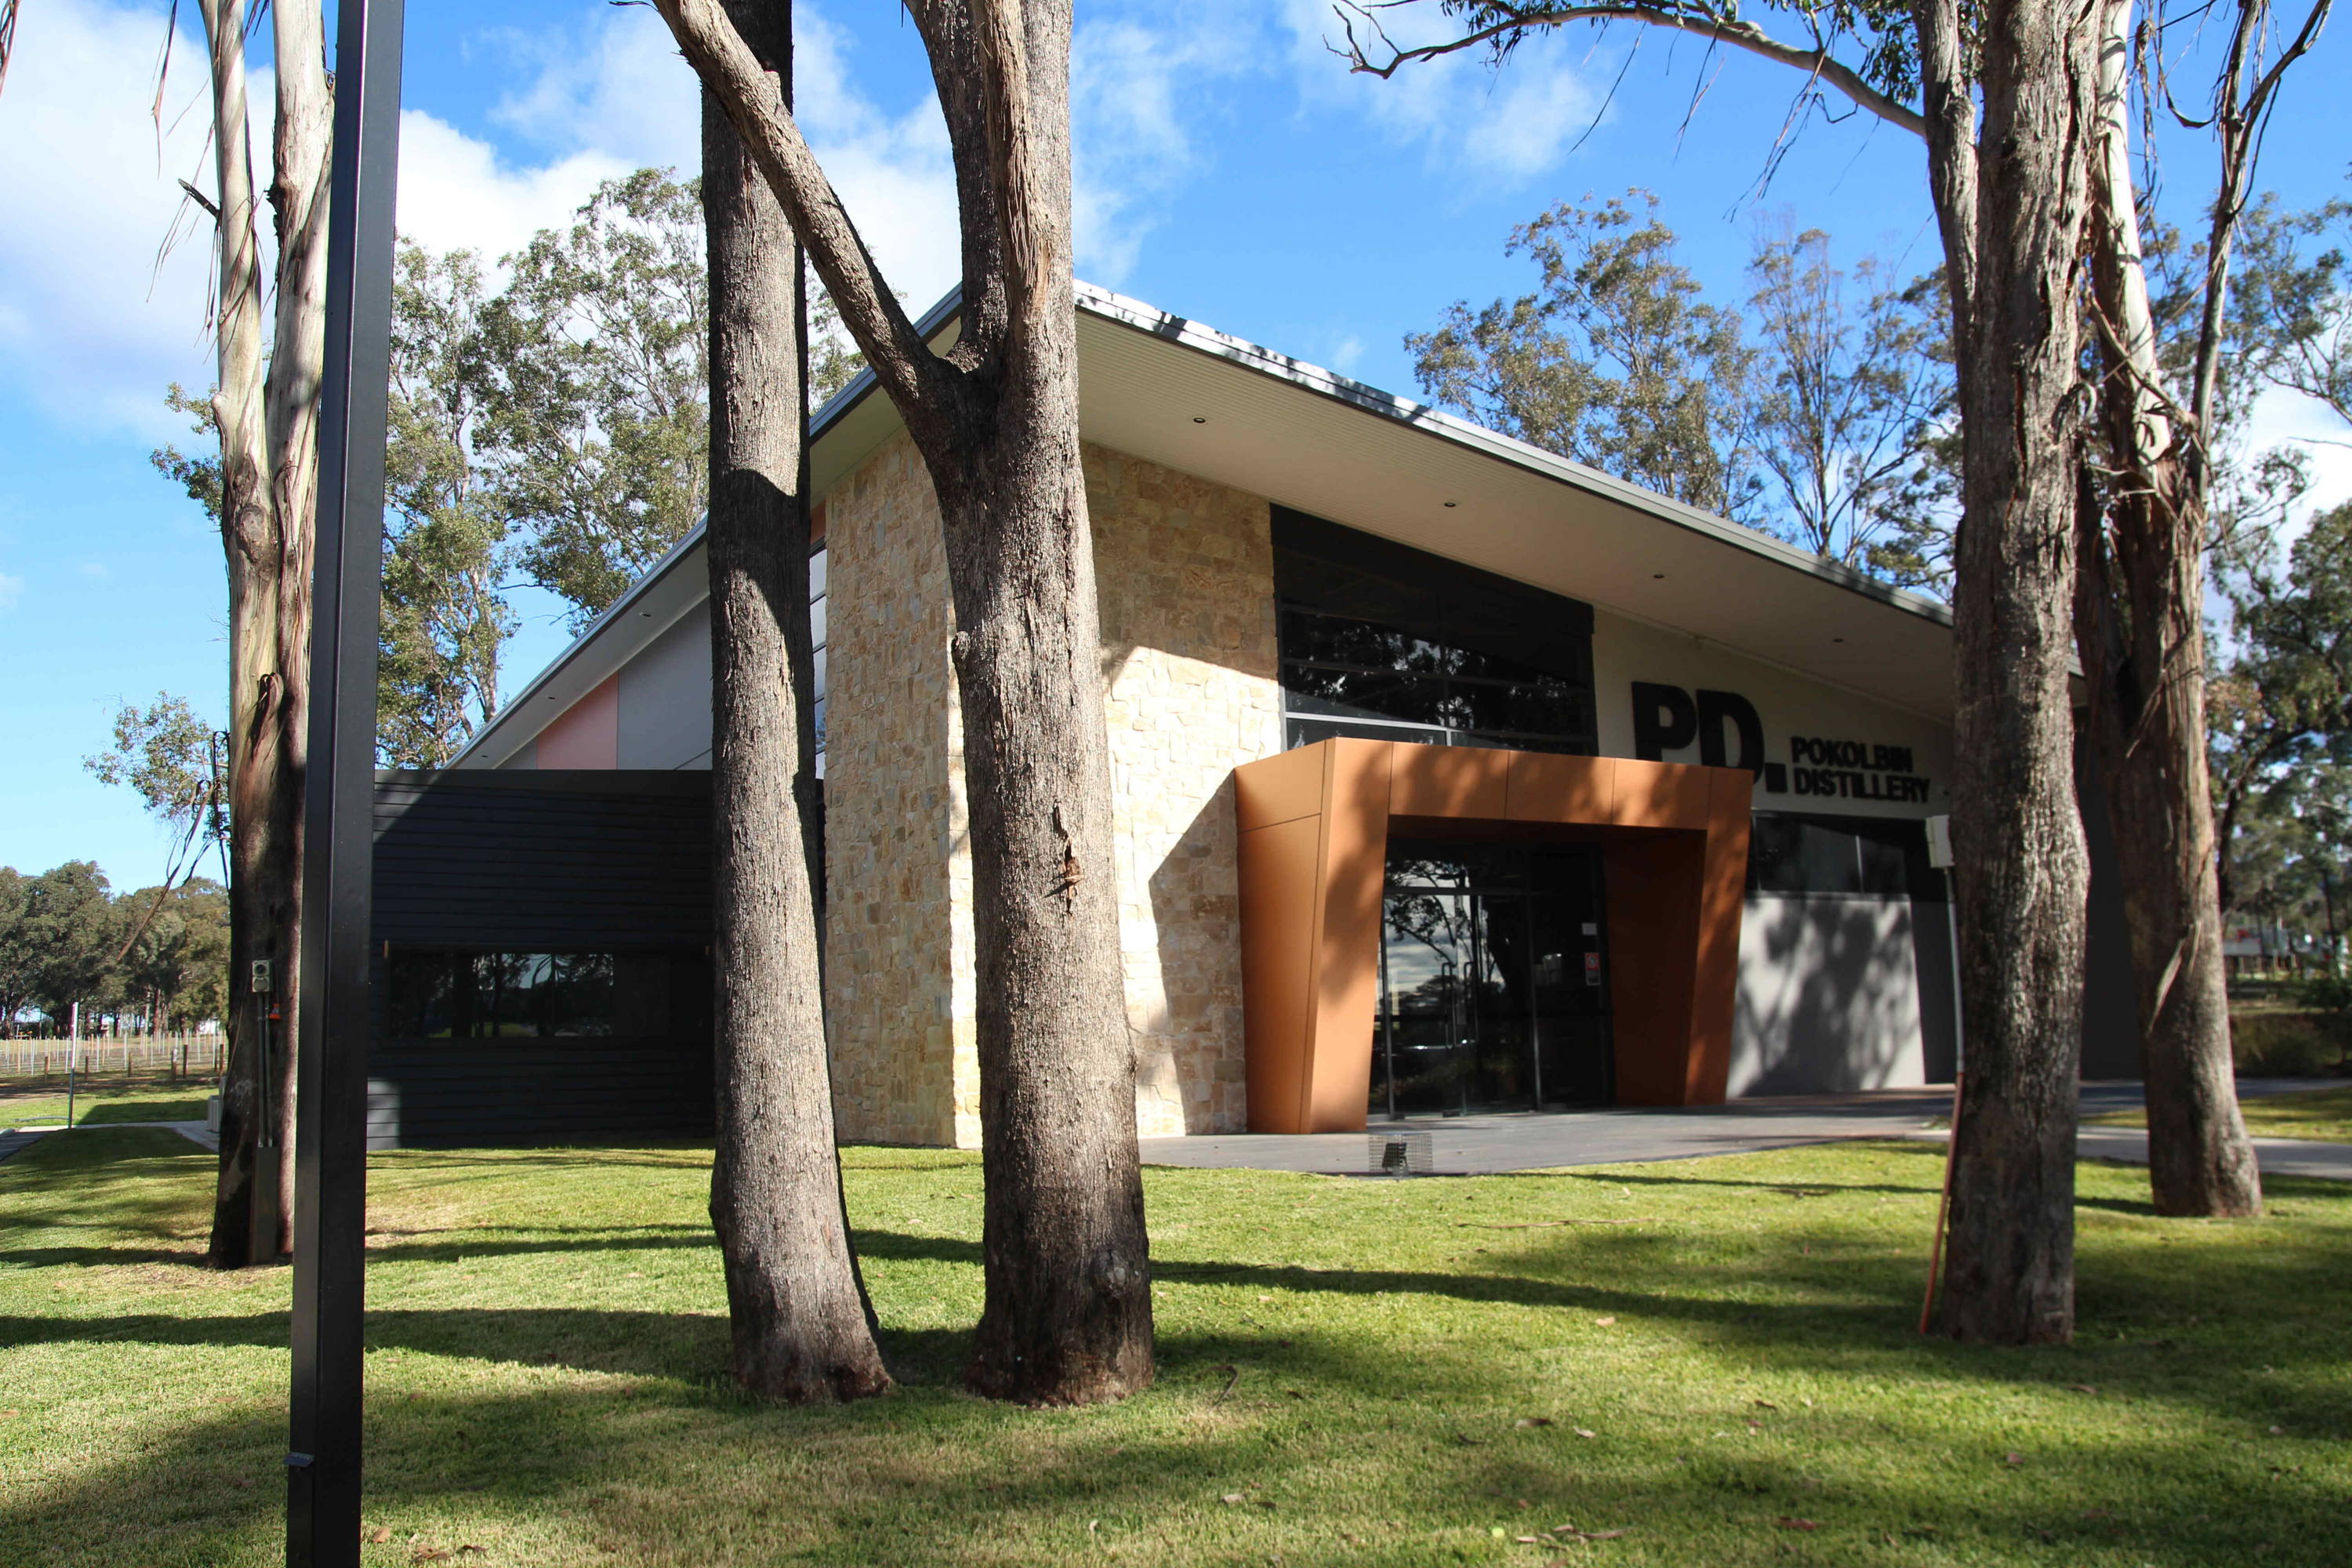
<point x="928" y="1476"/>
<point x="102" y="1181"/>
<point x="1928" y="1185"/>
<point x="1818" y="1298"/>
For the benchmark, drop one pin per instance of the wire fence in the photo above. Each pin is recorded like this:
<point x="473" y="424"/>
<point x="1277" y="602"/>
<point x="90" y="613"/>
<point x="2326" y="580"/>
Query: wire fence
<point x="182" y="1056"/>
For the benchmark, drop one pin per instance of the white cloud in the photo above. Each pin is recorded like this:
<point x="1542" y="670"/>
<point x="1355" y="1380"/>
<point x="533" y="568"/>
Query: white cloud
<point x="2290" y="419"/>
<point x="90" y="327"/>
<point x="1136" y="85"/>
<point x="893" y="172"/>
<point x="455" y="192"/>
<point x="615" y="95"/>
<point x="11" y="590"/>
<point x="626" y="93"/>
<point x="1508" y="125"/>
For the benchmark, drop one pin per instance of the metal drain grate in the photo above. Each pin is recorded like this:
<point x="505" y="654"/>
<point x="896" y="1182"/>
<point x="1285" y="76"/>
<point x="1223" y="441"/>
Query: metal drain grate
<point x="1399" y="1153"/>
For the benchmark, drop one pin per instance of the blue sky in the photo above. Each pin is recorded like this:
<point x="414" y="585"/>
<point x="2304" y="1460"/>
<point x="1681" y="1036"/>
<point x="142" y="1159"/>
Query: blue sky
<point x="1229" y="169"/>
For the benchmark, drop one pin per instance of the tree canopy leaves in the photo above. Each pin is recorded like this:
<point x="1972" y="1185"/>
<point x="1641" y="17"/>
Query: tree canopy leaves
<point x="1829" y="426"/>
<point x="62" y="942"/>
<point x="1614" y="360"/>
<point x="594" y="382"/>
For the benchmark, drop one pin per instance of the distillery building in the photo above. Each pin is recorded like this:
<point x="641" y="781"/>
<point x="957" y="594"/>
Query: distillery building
<point x="1449" y="776"/>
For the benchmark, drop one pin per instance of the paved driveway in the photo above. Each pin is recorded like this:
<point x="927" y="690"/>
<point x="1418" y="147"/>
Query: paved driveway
<point x="1482" y="1145"/>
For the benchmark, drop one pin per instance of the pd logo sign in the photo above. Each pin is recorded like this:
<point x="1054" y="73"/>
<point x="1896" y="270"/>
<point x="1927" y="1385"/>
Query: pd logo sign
<point x="1666" y="719"/>
<point x="1724" y="727"/>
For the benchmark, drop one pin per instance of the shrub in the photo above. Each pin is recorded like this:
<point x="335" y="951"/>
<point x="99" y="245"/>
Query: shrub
<point x="2307" y="1043"/>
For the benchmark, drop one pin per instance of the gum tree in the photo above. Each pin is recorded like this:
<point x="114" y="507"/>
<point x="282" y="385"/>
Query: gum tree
<point x="265" y="490"/>
<point x="1067" y="1315"/>
<point x="2003" y="93"/>
<point x="801" y="1328"/>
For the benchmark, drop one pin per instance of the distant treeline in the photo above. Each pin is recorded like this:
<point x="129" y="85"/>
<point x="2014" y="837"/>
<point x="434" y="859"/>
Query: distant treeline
<point x="148" y="962"/>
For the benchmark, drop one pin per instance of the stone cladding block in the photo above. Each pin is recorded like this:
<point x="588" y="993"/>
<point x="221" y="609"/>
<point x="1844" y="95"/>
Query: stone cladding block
<point x="1184" y="569"/>
<point x="897" y="867"/>
<point x="1184" y="575"/>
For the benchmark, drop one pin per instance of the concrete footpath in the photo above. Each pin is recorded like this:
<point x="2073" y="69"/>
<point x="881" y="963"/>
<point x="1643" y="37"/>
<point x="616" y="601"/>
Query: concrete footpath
<point x="1529" y="1141"/>
<point x="15" y="1140"/>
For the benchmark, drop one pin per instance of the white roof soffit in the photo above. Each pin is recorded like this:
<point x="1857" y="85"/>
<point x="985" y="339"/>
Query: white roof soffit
<point x="1299" y="436"/>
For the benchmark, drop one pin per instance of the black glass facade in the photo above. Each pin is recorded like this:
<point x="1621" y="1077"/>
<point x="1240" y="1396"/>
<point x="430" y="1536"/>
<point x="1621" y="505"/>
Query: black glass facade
<point x="1793" y="853"/>
<point x="1389" y="643"/>
<point x="452" y="993"/>
<point x="1494" y="990"/>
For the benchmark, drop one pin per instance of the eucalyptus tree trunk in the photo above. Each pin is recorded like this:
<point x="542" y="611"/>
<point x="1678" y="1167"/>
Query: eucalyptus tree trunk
<point x="2018" y="834"/>
<point x="249" y="1220"/>
<point x="1067" y="1316"/>
<point x="2140" y="625"/>
<point x="801" y="1327"/>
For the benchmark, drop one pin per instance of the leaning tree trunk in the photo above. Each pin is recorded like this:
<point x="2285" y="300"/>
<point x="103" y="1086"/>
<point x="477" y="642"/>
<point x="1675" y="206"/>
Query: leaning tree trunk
<point x="2024" y="872"/>
<point x="801" y="1327"/>
<point x="249" y="1220"/>
<point x="2140" y="629"/>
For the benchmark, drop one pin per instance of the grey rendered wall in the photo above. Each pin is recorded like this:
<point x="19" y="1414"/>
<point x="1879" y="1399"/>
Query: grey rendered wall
<point x="665" y="699"/>
<point x="1829" y="998"/>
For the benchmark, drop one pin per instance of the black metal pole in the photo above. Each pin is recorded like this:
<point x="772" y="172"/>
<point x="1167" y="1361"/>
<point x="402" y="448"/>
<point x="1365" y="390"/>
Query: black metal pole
<point x="330" y="1042"/>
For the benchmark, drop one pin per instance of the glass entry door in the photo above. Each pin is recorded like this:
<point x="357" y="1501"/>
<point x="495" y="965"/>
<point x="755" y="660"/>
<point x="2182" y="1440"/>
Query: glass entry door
<point x="1494" y="984"/>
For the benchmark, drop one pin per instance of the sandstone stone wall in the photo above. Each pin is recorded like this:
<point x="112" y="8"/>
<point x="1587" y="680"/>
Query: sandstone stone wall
<point x="897" y="869"/>
<point x="1185" y="572"/>
<point x="1185" y="583"/>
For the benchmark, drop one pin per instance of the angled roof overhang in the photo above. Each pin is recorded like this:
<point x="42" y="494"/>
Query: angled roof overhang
<point x="1176" y="392"/>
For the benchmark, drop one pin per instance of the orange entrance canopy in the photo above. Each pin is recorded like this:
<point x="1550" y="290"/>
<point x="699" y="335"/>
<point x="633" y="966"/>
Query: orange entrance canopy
<point x="1315" y="825"/>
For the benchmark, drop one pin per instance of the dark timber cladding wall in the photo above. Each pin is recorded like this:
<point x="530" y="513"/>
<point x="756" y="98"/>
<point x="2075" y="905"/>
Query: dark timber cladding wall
<point x="542" y="862"/>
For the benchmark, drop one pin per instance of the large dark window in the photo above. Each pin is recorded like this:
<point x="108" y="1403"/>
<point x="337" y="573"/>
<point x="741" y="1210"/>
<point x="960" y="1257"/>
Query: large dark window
<point x="1385" y="642"/>
<point x="1856" y="857"/>
<point x="448" y="994"/>
<point x="817" y="630"/>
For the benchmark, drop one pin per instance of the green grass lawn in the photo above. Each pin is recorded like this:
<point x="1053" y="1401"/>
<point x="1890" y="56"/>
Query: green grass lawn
<point x="1716" y="1358"/>
<point x="2321" y="1113"/>
<point x="152" y="1101"/>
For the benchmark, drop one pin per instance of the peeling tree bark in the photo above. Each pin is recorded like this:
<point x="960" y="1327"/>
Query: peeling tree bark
<point x="2018" y="834"/>
<point x="2140" y="625"/>
<point x="268" y="495"/>
<point x="1068" y="1318"/>
<point x="248" y="1221"/>
<point x="801" y="1327"/>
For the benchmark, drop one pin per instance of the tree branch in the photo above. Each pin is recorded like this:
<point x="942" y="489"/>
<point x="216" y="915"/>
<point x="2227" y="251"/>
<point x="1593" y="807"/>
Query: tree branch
<point x="918" y="380"/>
<point x="201" y="200"/>
<point x="948" y="43"/>
<point x="1950" y="131"/>
<point x="2243" y="124"/>
<point x="1693" y="16"/>
<point x="1029" y="234"/>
